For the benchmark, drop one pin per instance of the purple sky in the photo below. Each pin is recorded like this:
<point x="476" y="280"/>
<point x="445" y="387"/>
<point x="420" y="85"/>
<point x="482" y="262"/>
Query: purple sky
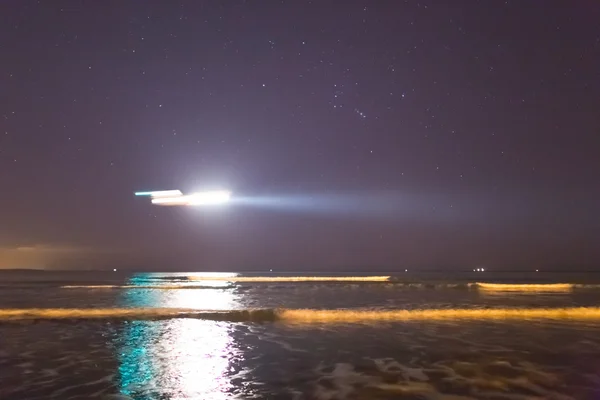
<point x="371" y="134"/>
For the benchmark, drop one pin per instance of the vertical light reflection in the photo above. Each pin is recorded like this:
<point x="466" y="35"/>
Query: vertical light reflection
<point x="196" y="359"/>
<point x="177" y="358"/>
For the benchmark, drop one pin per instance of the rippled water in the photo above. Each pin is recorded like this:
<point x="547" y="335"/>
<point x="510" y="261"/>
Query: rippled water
<point x="163" y="346"/>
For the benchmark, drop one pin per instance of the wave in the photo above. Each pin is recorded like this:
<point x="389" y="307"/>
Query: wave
<point x="301" y="315"/>
<point x="161" y="287"/>
<point x="229" y="283"/>
<point x="292" y="278"/>
<point x="135" y="314"/>
<point x="528" y="287"/>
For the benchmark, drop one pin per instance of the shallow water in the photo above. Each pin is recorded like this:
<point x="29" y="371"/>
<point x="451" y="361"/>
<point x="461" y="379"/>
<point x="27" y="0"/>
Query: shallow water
<point x="67" y="354"/>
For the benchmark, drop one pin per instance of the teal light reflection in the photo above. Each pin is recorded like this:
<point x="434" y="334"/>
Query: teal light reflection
<point x="136" y="369"/>
<point x="176" y="358"/>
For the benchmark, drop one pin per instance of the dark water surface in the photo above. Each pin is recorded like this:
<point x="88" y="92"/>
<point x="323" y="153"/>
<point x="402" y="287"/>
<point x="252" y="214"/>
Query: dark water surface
<point x="63" y="353"/>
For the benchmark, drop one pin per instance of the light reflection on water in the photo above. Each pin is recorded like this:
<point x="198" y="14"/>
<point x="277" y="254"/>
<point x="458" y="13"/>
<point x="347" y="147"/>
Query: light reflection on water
<point x="179" y="358"/>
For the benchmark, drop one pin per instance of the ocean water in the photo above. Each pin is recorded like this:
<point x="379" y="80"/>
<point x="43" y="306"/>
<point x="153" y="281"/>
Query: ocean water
<point x="197" y="336"/>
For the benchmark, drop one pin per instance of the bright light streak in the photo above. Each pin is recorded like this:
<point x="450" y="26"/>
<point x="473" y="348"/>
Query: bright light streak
<point x="236" y="278"/>
<point x="527" y="287"/>
<point x="171" y="201"/>
<point x="160" y="193"/>
<point x="286" y="315"/>
<point x="206" y="198"/>
<point x="194" y="199"/>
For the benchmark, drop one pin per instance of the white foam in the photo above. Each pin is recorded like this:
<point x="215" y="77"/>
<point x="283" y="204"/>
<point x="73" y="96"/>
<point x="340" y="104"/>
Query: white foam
<point x="388" y="365"/>
<point x="342" y="378"/>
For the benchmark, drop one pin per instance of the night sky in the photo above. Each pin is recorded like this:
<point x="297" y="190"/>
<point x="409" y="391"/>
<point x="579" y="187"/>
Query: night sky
<point x="371" y="134"/>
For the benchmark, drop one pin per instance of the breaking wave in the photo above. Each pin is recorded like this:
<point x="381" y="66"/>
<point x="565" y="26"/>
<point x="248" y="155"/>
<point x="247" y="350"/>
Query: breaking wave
<point x="302" y="315"/>
<point x="161" y="287"/>
<point x="292" y="278"/>
<point x="230" y="283"/>
<point x="528" y="287"/>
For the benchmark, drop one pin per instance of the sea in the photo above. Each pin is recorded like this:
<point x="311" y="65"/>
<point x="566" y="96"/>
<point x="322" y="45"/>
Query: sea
<point x="471" y="335"/>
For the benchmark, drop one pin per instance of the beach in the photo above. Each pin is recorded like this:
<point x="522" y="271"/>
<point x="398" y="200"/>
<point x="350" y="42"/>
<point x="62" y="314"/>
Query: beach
<point x="195" y="336"/>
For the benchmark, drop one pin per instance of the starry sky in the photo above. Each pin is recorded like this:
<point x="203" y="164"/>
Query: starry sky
<point x="371" y="135"/>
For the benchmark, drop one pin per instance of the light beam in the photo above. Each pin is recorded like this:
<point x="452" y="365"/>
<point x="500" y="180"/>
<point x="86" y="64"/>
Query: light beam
<point x="160" y="193"/>
<point x="176" y="198"/>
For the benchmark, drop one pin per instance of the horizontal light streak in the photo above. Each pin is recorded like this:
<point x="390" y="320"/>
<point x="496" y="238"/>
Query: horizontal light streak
<point x="160" y="193"/>
<point x="293" y="278"/>
<point x="158" y="287"/>
<point x="510" y="287"/>
<point x="349" y="316"/>
<point x="194" y="199"/>
<point x="308" y="315"/>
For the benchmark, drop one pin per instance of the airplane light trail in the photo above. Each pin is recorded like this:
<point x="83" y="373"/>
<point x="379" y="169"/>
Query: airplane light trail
<point x="177" y="198"/>
<point x="160" y="193"/>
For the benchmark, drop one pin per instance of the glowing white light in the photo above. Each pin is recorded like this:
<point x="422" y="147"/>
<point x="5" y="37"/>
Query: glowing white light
<point x="160" y="193"/>
<point x="194" y="199"/>
<point x="171" y="201"/>
<point x="207" y="198"/>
